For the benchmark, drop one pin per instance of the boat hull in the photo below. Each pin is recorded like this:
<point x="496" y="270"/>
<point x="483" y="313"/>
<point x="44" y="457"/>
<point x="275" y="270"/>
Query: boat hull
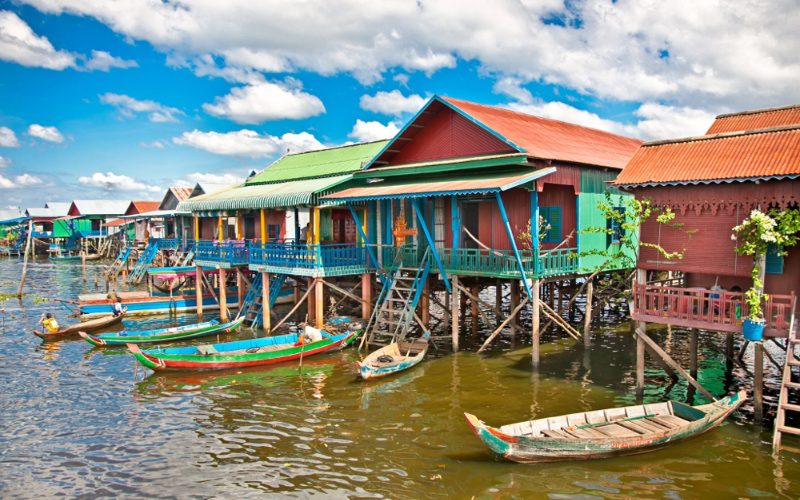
<point x="92" y="325"/>
<point x="528" y="450"/>
<point x="164" y="335"/>
<point x="146" y="306"/>
<point x="371" y="368"/>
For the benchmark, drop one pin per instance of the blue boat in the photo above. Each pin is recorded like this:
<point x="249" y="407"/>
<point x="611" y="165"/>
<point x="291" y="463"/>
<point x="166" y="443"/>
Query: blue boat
<point x="393" y="358"/>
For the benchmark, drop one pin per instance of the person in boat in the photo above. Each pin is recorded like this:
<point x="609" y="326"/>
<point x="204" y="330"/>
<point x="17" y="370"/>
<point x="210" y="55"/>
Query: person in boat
<point x="118" y="309"/>
<point x="50" y="323"/>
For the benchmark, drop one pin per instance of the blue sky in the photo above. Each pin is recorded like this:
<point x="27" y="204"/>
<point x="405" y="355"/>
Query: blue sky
<point x="122" y="100"/>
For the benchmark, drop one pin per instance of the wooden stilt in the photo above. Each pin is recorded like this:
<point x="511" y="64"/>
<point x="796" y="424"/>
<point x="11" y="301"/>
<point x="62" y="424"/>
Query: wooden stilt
<point x="239" y="288"/>
<point x="514" y="302"/>
<point x="497" y="331"/>
<point x="498" y="299"/>
<point x="692" y="363"/>
<point x="456" y="312"/>
<point x="474" y="291"/>
<point x="758" y="382"/>
<point x="640" y="352"/>
<point x="297" y="293"/>
<point x="319" y="304"/>
<point x="729" y="352"/>
<point x="535" y="326"/>
<point x="366" y="296"/>
<point x="198" y="290"/>
<point x="312" y="302"/>
<point x="425" y="303"/>
<point x="223" y="296"/>
<point x="266" y="310"/>
<point x="587" y="317"/>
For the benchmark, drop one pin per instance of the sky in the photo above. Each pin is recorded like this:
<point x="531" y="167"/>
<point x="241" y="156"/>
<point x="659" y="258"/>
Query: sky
<point x="122" y="99"/>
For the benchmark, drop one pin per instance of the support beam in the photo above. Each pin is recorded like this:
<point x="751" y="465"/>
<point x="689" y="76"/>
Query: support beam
<point x="514" y="303"/>
<point x="455" y="221"/>
<point x="220" y="237"/>
<point x="758" y="382"/>
<point x="640" y="359"/>
<point x="455" y="316"/>
<point x="198" y="290"/>
<point x="263" y="225"/>
<point x="196" y="228"/>
<point x="223" y="296"/>
<point x="587" y="315"/>
<point x="499" y="329"/>
<point x="370" y="251"/>
<point x="311" y="310"/>
<point x="535" y="326"/>
<point x="425" y="302"/>
<point x="319" y="304"/>
<point x="266" y="309"/>
<point x="431" y="244"/>
<point x="640" y="334"/>
<point x="240" y="283"/>
<point x="366" y="296"/>
<point x="513" y="242"/>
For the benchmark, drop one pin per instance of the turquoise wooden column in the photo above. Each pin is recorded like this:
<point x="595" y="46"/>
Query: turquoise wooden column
<point x="431" y="244"/>
<point x="535" y="230"/>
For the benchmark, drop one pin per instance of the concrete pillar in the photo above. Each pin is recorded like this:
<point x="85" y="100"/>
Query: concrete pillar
<point x="239" y="288"/>
<point x="223" y="296"/>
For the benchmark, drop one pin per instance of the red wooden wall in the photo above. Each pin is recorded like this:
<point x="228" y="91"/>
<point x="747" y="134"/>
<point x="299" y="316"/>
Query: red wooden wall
<point x="564" y="197"/>
<point x="447" y="135"/>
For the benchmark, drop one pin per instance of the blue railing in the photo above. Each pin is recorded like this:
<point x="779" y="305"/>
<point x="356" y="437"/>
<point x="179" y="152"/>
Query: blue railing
<point x="42" y="234"/>
<point x="88" y="233"/>
<point x="233" y="252"/>
<point x="304" y="256"/>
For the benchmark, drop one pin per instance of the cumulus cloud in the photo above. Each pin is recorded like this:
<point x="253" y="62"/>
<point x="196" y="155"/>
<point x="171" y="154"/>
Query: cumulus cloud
<point x="109" y="181"/>
<point x="6" y="183"/>
<point x="248" y="142"/>
<point x="264" y="101"/>
<point x="512" y="87"/>
<point x="19" y="44"/>
<point x="4" y="162"/>
<point x="392" y="103"/>
<point x="103" y="61"/>
<point x="50" y="134"/>
<point x="153" y="144"/>
<point x="210" y="182"/>
<point x="128" y="107"/>
<point x="642" y="51"/>
<point x="364" y="131"/>
<point x="24" y="180"/>
<point x="8" y="139"/>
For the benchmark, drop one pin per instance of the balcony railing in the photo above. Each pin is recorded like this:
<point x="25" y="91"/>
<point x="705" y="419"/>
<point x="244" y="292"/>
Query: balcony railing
<point x="231" y="252"/>
<point x="707" y="309"/>
<point x="42" y="234"/>
<point x="292" y="255"/>
<point x="89" y="233"/>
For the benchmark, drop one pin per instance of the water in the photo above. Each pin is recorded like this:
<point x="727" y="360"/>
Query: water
<point x="85" y="422"/>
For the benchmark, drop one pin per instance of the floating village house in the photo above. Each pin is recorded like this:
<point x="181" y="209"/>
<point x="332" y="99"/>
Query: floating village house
<point x="48" y="220"/>
<point x="272" y="227"/>
<point x="89" y="217"/>
<point x="745" y="161"/>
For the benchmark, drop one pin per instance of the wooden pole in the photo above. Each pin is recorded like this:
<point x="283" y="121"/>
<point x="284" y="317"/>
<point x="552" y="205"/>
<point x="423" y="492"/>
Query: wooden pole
<point x="640" y="353"/>
<point x="366" y="296"/>
<point x="311" y="310"/>
<point x="498" y="298"/>
<point x="223" y="296"/>
<point x="758" y="382"/>
<point x="505" y="322"/>
<point x="296" y="306"/>
<point x="514" y="303"/>
<point x="25" y="260"/>
<point x="263" y="217"/>
<point x="587" y="318"/>
<point x="425" y="302"/>
<point x="455" y="303"/>
<point x="692" y="362"/>
<point x="474" y="291"/>
<point x="198" y="290"/>
<point x="239" y="288"/>
<point x="728" y="352"/>
<point x="266" y="310"/>
<point x="535" y="326"/>
<point x="220" y="236"/>
<point x="319" y="303"/>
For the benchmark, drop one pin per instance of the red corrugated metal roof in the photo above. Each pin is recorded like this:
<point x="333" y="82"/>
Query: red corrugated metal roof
<point x="763" y="153"/>
<point x="139" y="206"/>
<point x="757" y="119"/>
<point x="181" y="193"/>
<point x="553" y="139"/>
<point x="456" y="184"/>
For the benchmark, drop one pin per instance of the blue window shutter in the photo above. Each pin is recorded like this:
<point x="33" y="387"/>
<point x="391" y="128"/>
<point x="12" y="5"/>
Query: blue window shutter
<point x="774" y="260"/>
<point x="552" y="216"/>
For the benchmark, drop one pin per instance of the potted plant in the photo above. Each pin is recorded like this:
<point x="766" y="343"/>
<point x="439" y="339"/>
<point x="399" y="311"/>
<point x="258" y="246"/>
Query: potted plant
<point x="754" y="236"/>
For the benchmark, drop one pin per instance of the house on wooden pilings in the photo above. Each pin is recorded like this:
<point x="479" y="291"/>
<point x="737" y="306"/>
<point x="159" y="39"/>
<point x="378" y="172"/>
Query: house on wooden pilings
<point x="745" y="161"/>
<point x="44" y="219"/>
<point x="466" y="179"/>
<point x="273" y="224"/>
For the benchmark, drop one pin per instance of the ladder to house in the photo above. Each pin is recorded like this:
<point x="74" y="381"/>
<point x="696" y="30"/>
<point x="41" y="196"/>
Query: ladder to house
<point x="790" y="386"/>
<point x="122" y="257"/>
<point x="140" y="269"/>
<point x="253" y="306"/>
<point x="396" y="306"/>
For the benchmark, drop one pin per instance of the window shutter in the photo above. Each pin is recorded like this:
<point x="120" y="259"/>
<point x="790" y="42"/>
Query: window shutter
<point x="774" y="260"/>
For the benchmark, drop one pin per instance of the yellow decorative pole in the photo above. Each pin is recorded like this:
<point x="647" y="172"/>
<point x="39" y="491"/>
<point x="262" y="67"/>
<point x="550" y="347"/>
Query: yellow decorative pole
<point x="263" y="226"/>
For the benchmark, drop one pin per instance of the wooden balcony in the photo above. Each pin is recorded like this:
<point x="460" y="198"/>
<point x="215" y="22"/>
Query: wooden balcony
<point x="706" y="309"/>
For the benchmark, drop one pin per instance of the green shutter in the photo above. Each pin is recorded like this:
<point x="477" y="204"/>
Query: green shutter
<point x="774" y="260"/>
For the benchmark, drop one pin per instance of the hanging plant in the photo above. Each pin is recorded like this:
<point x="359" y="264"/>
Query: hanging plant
<point x="754" y="236"/>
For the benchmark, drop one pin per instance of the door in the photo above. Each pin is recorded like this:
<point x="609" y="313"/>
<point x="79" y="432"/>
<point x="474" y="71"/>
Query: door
<point x="469" y="221"/>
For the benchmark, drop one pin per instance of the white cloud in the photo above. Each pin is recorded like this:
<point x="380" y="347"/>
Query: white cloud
<point x="683" y="52"/>
<point x="8" y="139"/>
<point x="263" y="101"/>
<point x="392" y="103"/>
<point x="153" y="144"/>
<point x="210" y="182"/>
<point x="50" y="134"/>
<point x="19" y="44"/>
<point x="128" y="107"/>
<point x="373" y="131"/>
<point x="103" y="61"/>
<point x="6" y="183"/>
<point x="512" y="87"/>
<point x="248" y="142"/>
<point x="110" y="181"/>
<point x="25" y="180"/>
<point x="4" y="162"/>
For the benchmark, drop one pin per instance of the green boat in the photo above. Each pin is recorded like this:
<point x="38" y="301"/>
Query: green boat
<point x="603" y="433"/>
<point x="163" y="334"/>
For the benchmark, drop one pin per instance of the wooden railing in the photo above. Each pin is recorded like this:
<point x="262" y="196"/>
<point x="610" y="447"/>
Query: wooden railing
<point x="707" y="309"/>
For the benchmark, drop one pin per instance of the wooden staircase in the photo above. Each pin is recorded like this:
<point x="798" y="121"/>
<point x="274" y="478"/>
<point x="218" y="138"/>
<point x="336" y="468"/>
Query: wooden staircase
<point x="253" y="305"/>
<point x="790" y="387"/>
<point x="395" y="309"/>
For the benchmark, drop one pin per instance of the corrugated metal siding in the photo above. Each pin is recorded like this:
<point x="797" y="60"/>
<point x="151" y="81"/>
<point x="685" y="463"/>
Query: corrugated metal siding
<point x="447" y="135"/>
<point x="518" y="208"/>
<point x="753" y="155"/>
<point x="564" y="175"/>
<point x="596" y="181"/>
<point x="753" y="121"/>
<point x="564" y="197"/>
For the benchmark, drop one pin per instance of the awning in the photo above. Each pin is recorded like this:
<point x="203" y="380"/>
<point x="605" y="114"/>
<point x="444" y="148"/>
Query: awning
<point x="458" y="185"/>
<point x="277" y="195"/>
<point x="156" y="214"/>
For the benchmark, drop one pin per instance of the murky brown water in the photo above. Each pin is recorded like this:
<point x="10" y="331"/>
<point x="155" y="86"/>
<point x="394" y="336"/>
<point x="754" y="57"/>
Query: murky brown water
<point x="84" y="422"/>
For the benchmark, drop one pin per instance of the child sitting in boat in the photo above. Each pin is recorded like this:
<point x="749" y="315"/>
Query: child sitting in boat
<point x="118" y="309"/>
<point x="50" y="323"/>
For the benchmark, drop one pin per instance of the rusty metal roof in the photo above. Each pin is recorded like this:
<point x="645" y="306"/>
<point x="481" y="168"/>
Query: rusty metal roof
<point x="758" y="154"/>
<point x="756" y="119"/>
<point x="456" y="185"/>
<point x="552" y="139"/>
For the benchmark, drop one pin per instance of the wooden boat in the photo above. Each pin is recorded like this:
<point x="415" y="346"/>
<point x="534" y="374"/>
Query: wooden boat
<point x="243" y="353"/>
<point x="183" y="332"/>
<point x="603" y="433"/>
<point x="91" y="325"/>
<point x="142" y="303"/>
<point x="393" y="358"/>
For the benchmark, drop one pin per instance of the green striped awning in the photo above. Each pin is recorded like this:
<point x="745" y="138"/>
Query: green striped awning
<point x="277" y="195"/>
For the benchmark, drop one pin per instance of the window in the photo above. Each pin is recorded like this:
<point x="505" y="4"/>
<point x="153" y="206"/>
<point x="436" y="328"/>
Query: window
<point x="273" y="231"/>
<point x="553" y="222"/>
<point x="774" y="260"/>
<point x="616" y="231"/>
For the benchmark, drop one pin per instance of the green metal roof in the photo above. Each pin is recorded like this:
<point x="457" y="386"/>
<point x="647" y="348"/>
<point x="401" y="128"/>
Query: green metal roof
<point x="326" y="162"/>
<point x="278" y="195"/>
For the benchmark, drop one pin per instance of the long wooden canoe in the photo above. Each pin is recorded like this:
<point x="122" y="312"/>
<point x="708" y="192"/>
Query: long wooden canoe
<point x="86" y="326"/>
<point x="603" y="433"/>
<point x="162" y="334"/>
<point x="393" y="358"/>
<point x="243" y="353"/>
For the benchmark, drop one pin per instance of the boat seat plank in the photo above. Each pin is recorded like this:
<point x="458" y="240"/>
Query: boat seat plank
<point x="635" y="411"/>
<point x="672" y="420"/>
<point x="616" y="431"/>
<point x="576" y="419"/>
<point x="663" y="424"/>
<point x="643" y="423"/>
<point x="551" y="433"/>
<point x="537" y="426"/>
<point x="634" y="426"/>
<point x="658" y="409"/>
<point x="615" y="414"/>
<point x="586" y="433"/>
